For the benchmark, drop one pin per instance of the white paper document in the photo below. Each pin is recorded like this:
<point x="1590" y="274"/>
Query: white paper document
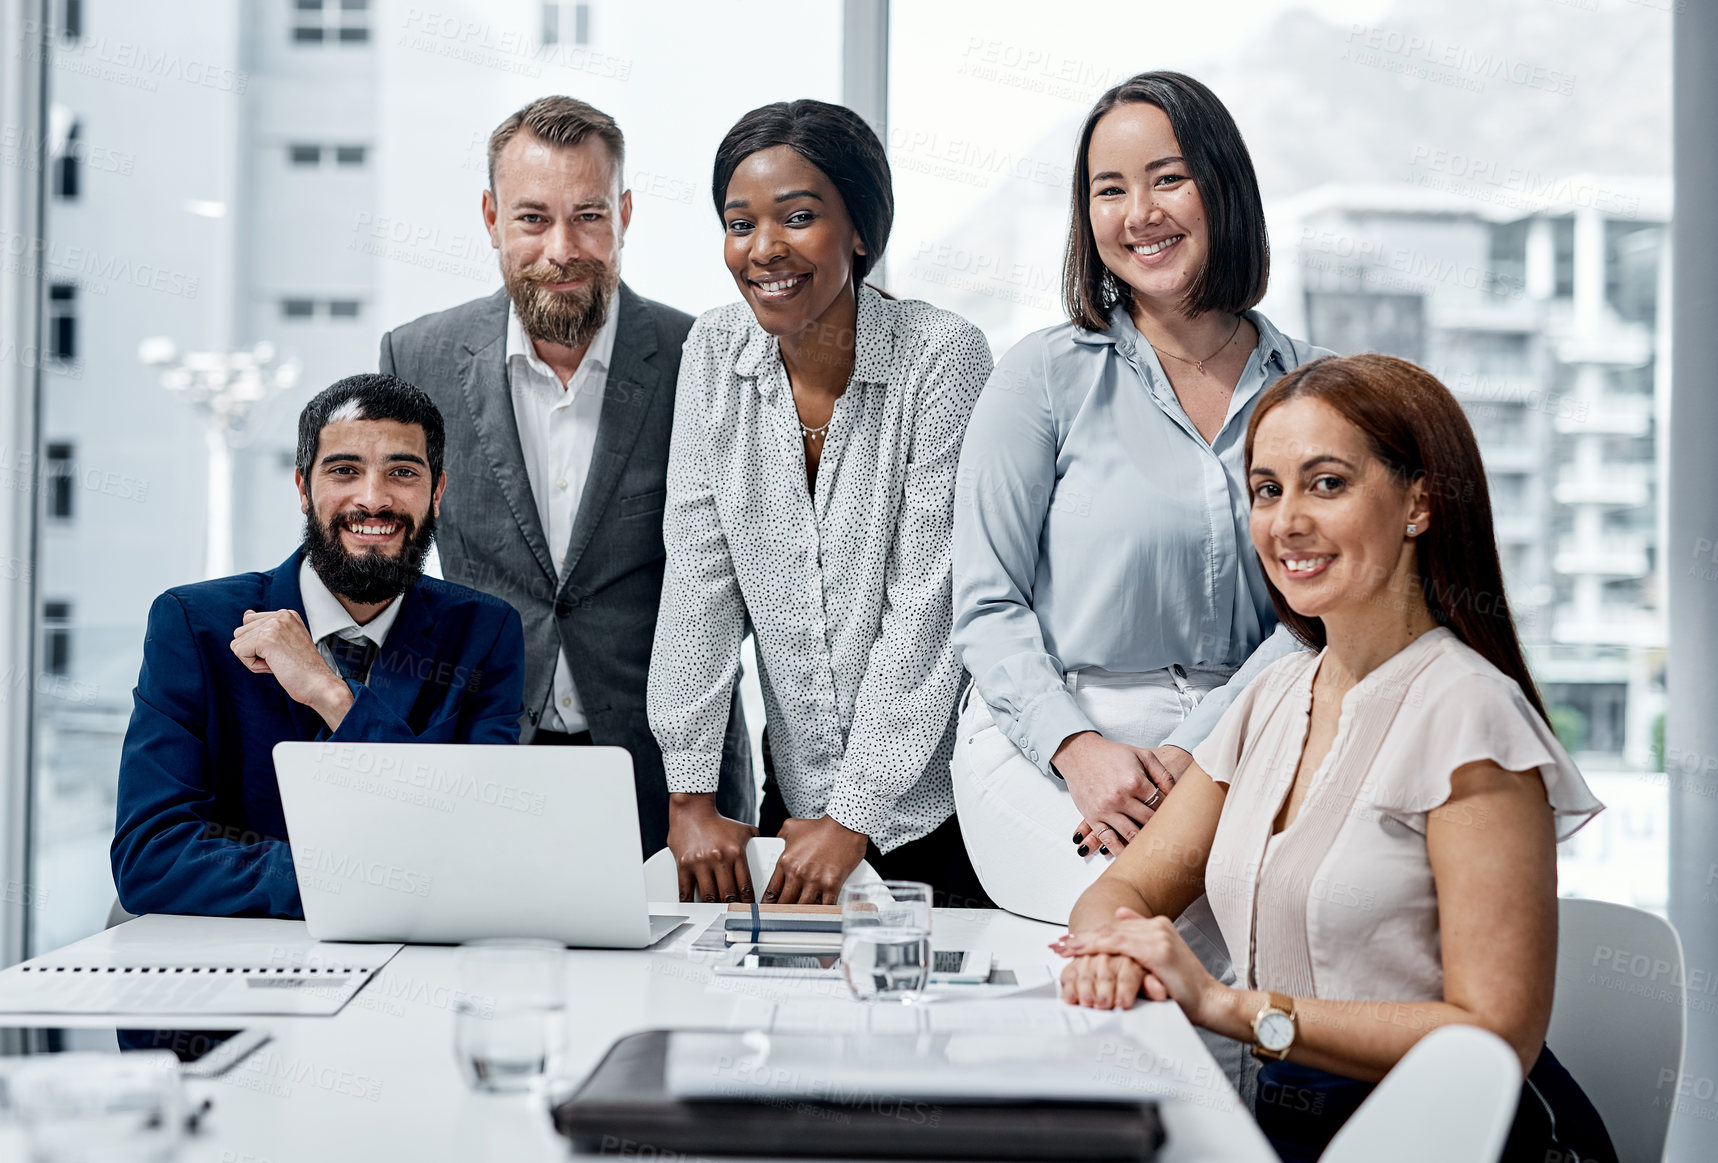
<point x="1028" y="1049"/>
<point x="1023" y="1051"/>
<point x="162" y="964"/>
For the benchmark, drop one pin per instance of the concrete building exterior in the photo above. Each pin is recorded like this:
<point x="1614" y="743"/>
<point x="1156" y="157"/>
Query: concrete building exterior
<point x="1542" y="304"/>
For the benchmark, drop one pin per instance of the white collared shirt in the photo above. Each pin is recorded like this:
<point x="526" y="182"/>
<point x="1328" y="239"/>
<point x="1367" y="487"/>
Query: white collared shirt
<point x="558" y="435"/>
<point x="324" y="615"/>
<point x="846" y="586"/>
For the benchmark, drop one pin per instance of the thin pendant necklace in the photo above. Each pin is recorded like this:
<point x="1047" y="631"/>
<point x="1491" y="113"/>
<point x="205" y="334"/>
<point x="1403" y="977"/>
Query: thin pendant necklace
<point x="816" y="433"/>
<point x="1200" y="363"/>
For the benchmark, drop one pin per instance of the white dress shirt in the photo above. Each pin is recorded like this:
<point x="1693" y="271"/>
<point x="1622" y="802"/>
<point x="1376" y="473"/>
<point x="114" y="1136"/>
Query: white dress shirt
<point x="558" y="433"/>
<point x="324" y="615"/>
<point x="846" y="587"/>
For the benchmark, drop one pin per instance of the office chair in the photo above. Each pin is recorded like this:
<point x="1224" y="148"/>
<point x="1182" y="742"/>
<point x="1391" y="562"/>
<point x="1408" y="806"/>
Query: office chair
<point x="1451" y="1097"/>
<point x="1618" y="1021"/>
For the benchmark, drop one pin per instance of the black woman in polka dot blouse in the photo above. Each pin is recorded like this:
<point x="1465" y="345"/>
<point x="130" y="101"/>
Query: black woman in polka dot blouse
<point x="817" y="430"/>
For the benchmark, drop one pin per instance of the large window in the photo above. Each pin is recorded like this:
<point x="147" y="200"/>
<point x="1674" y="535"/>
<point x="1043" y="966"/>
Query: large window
<point x="1429" y="175"/>
<point x="311" y="198"/>
<point x="252" y="207"/>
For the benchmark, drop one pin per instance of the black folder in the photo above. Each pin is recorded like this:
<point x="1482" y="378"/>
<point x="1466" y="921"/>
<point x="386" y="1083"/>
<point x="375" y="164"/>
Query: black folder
<point x="623" y="1108"/>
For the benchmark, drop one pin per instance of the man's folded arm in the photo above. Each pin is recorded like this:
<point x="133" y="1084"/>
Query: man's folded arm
<point x="169" y="855"/>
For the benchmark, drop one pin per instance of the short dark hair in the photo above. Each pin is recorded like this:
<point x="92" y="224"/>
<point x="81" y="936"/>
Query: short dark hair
<point x="371" y="396"/>
<point x="560" y="121"/>
<point x="1238" y="264"/>
<point x="837" y="141"/>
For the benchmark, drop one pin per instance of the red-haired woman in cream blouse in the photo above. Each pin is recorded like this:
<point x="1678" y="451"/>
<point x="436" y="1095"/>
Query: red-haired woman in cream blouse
<point x="1375" y="821"/>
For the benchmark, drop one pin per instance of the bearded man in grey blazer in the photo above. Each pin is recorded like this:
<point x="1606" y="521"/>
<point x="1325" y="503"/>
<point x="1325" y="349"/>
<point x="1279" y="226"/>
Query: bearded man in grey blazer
<point x="558" y="391"/>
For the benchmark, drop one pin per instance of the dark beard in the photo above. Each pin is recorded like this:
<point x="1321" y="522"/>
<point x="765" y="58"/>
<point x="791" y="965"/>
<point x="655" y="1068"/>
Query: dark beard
<point x="371" y="577"/>
<point x="569" y="318"/>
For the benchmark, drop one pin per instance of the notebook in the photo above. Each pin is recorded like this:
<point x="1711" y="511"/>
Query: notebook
<point x="625" y="1106"/>
<point x="161" y="964"/>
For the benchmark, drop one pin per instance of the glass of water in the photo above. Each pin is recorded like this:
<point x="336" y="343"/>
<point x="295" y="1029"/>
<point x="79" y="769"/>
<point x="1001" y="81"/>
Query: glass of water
<point x="99" y="1108"/>
<point x="509" y="1013"/>
<point x="886" y="939"/>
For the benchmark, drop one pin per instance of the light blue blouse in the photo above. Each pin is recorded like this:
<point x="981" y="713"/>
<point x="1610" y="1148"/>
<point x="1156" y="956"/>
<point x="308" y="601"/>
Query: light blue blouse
<point x="1095" y="527"/>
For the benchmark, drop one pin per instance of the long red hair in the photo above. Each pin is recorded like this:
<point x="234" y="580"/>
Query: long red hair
<point x="1418" y="430"/>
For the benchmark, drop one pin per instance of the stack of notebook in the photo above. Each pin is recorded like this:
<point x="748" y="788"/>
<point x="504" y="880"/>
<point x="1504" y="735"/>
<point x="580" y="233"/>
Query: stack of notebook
<point x="803" y="926"/>
<point x="964" y="1100"/>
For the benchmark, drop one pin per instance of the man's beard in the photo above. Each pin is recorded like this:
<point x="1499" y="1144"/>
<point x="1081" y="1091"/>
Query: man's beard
<point x="569" y="318"/>
<point x="372" y="576"/>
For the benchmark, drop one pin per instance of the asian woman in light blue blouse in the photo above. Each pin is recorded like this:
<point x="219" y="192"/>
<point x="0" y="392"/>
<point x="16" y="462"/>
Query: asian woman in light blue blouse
<point x="1106" y="595"/>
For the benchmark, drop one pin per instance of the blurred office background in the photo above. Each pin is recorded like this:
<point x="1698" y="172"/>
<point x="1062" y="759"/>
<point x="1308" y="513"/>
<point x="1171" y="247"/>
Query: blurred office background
<point x="242" y="196"/>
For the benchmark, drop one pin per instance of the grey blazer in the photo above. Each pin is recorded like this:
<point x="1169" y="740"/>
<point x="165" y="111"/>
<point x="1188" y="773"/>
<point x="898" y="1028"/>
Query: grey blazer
<point x="604" y="613"/>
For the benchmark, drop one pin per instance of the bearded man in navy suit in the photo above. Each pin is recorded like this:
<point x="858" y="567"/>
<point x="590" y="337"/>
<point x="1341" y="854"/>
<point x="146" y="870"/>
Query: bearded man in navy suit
<point x="345" y="641"/>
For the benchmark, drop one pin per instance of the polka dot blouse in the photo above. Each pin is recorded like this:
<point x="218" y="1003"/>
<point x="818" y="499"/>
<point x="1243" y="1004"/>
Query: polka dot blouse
<point x="846" y="586"/>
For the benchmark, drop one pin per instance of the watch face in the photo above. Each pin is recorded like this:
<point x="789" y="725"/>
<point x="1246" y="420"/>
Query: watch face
<point x="1276" y="1030"/>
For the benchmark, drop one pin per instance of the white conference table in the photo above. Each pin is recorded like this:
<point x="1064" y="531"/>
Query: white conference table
<point x="379" y="1080"/>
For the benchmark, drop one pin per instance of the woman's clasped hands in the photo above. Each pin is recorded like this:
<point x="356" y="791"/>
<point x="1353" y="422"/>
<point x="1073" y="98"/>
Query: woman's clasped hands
<point x="1112" y="965"/>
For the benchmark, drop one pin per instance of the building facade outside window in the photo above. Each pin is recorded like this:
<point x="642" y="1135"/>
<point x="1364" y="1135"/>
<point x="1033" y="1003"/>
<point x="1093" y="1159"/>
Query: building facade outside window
<point x="330" y="22"/>
<point x="56" y="638"/>
<point x="565" y="22"/>
<point x="68" y="166"/>
<point x="63" y="322"/>
<point x="60" y="482"/>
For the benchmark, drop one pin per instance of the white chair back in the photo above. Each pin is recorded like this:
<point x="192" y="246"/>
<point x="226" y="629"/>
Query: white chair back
<point x="1619" y="1019"/>
<point x="1451" y="1097"/>
<point x="662" y="877"/>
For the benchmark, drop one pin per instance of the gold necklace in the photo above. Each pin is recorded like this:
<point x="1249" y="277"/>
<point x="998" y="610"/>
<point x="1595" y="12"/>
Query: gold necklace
<point x="1200" y="363"/>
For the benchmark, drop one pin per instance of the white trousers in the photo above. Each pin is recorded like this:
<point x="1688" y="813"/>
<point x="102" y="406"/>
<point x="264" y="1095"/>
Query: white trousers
<point x="1019" y="823"/>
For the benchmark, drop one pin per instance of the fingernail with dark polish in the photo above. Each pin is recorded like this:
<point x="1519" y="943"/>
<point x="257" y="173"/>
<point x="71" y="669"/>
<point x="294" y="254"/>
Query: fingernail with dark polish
<point x="1085" y="851"/>
<point x="1077" y="837"/>
<point x="1104" y="850"/>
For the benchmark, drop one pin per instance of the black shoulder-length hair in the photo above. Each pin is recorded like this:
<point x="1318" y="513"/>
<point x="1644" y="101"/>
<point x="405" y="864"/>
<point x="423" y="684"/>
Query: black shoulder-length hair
<point x="1239" y="262"/>
<point x="837" y="141"/>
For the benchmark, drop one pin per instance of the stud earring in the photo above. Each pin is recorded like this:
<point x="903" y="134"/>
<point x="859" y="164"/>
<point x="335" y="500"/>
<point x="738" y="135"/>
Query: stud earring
<point x="1413" y="529"/>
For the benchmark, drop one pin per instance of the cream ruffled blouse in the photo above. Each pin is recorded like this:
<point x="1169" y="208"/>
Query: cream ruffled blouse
<point x="1341" y="903"/>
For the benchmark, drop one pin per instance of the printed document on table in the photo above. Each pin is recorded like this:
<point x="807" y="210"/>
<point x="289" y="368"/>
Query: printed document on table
<point x="1027" y="1050"/>
<point x="173" y="965"/>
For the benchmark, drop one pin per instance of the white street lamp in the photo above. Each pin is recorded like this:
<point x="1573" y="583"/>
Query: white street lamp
<point x="226" y="388"/>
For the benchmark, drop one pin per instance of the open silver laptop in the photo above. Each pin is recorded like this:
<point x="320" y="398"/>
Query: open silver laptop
<point x="434" y="842"/>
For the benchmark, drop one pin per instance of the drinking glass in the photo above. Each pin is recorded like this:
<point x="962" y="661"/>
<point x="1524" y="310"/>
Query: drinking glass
<point x="886" y="939"/>
<point x="508" y="1021"/>
<point x="100" y="1108"/>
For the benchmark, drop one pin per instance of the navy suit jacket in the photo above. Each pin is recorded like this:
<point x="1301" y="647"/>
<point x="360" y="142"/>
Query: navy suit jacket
<point x="199" y="826"/>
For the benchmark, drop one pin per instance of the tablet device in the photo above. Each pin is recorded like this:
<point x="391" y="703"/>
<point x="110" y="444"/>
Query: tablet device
<point x="201" y="1053"/>
<point x="948" y="966"/>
